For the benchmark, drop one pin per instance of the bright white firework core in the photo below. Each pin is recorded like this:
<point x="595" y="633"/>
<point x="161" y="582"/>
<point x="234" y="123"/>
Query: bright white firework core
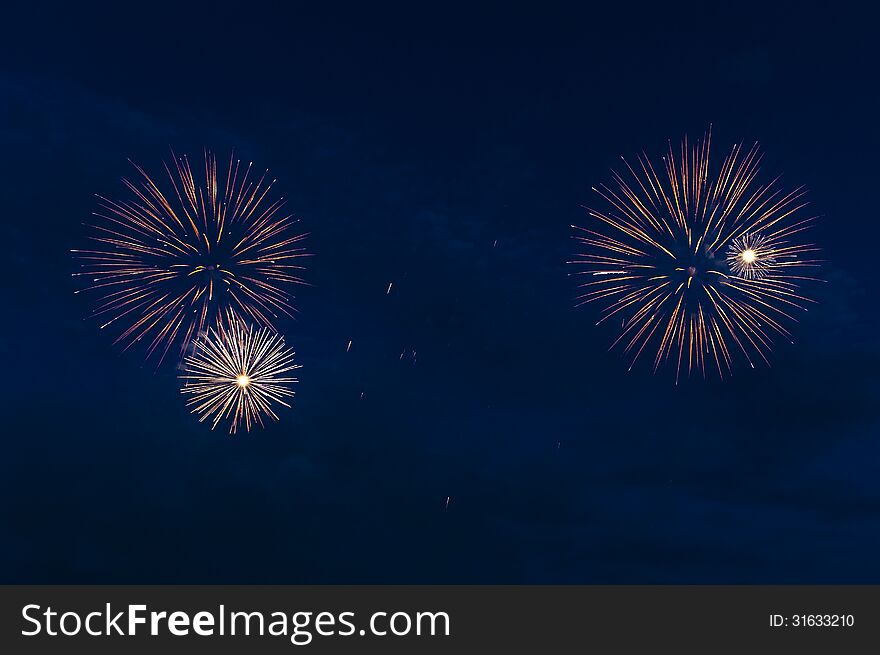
<point x="749" y="256"/>
<point x="242" y="380"/>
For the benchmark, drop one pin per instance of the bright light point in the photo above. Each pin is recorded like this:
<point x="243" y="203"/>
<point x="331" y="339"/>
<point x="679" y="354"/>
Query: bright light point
<point x="242" y="380"/>
<point x="749" y="256"/>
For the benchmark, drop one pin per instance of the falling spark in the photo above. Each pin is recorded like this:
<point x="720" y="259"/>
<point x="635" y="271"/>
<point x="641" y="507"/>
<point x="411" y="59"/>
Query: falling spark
<point x="656" y="259"/>
<point x="172" y="258"/>
<point x="447" y="502"/>
<point x="237" y="373"/>
<point x="388" y="290"/>
<point x="348" y="347"/>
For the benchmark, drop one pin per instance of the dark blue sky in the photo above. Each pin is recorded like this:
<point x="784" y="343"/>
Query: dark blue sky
<point x="408" y="142"/>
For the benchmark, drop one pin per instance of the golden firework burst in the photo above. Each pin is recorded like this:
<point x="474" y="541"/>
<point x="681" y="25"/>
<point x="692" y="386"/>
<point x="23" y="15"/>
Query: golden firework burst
<point x="656" y="259"/>
<point x="237" y="373"/>
<point x="169" y="260"/>
<point x="753" y="256"/>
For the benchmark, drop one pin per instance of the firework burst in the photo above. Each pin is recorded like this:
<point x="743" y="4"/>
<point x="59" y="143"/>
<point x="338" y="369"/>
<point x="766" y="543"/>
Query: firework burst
<point x="700" y="269"/>
<point x="236" y="373"/>
<point x="169" y="260"/>
<point x="753" y="257"/>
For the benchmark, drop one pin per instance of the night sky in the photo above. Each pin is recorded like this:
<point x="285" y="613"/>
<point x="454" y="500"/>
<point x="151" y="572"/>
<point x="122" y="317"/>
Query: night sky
<point x="409" y="142"/>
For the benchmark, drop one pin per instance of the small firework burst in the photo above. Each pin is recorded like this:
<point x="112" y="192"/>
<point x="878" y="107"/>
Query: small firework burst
<point x="656" y="259"/>
<point x="173" y="257"/>
<point x="753" y="257"/>
<point x="236" y="373"/>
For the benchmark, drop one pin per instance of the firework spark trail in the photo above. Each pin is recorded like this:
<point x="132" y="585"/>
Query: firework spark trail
<point x="167" y="263"/>
<point x="656" y="259"/>
<point x="237" y="372"/>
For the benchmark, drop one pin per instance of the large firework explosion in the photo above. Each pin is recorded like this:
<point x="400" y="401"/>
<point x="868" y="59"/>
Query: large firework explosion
<point x="236" y="373"/>
<point x="170" y="259"/>
<point x="698" y="268"/>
